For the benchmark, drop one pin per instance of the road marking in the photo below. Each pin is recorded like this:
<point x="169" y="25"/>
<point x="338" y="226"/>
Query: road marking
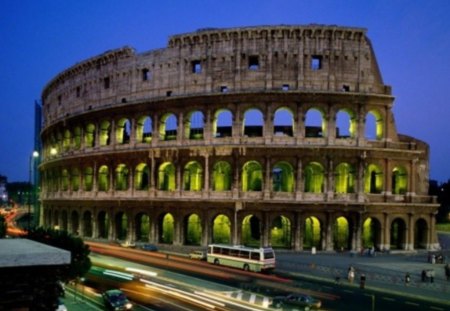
<point x="252" y="298"/>
<point x="436" y="308"/>
<point x="239" y="296"/>
<point x="388" y="299"/>
<point x="412" y="303"/>
<point x="265" y="302"/>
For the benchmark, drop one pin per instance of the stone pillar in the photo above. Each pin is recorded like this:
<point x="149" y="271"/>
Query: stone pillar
<point x="267" y="179"/>
<point x="329" y="190"/>
<point x="268" y="124"/>
<point x="387" y="233"/>
<point x="360" y="177"/>
<point x="112" y="226"/>
<point x="206" y="230"/>
<point x="155" y="130"/>
<point x="329" y="243"/>
<point x="180" y="129"/>
<point x="206" y="177"/>
<point x="410" y="233"/>
<point x="265" y="228"/>
<point x="299" y="187"/>
<point x="388" y="177"/>
<point x="297" y="232"/>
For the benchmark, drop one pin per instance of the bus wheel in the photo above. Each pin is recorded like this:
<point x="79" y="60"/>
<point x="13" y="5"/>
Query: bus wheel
<point x="246" y="267"/>
<point x="216" y="261"/>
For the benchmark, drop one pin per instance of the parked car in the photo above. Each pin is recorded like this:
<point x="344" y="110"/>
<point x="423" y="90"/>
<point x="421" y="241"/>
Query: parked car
<point x="200" y="255"/>
<point x="149" y="247"/>
<point x="296" y="302"/>
<point x="115" y="300"/>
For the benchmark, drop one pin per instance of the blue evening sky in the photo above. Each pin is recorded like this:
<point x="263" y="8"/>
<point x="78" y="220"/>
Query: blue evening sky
<point x="39" y="39"/>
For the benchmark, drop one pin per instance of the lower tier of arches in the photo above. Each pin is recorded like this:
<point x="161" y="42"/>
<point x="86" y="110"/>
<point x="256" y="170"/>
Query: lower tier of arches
<point x="286" y="227"/>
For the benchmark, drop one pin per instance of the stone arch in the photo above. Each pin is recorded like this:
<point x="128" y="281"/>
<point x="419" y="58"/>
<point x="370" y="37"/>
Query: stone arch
<point x="374" y="125"/>
<point x="281" y="232"/>
<point x="193" y="176"/>
<point x="315" y="123"/>
<point x="122" y="180"/>
<point x="344" y="181"/>
<point x="221" y="176"/>
<point x="399" y="180"/>
<point x="141" y="177"/>
<point x="103" y="178"/>
<point x="77" y="137"/>
<point x="121" y="226"/>
<point x="166" y="228"/>
<point x="373" y="179"/>
<point x="283" y="122"/>
<point x="123" y="131"/>
<point x="346" y="125"/>
<point x="371" y="233"/>
<point x="105" y="133"/>
<point x="342" y="233"/>
<point x="65" y="179"/>
<point x="421" y="232"/>
<point x="398" y="234"/>
<point x="75" y="179"/>
<point x="193" y="229"/>
<point x="103" y="225"/>
<point x="221" y="229"/>
<point x="166" y="177"/>
<point x="75" y="222"/>
<point x="89" y="135"/>
<point x="67" y="140"/>
<point x="283" y="177"/>
<point x="142" y="227"/>
<point x="314" y="177"/>
<point x="168" y="127"/>
<point x="312" y="236"/>
<point x="88" y="178"/>
<point x="251" y="231"/>
<point x="87" y="224"/>
<point x="194" y="125"/>
<point x="144" y="129"/>
<point x="252" y="176"/>
<point x="253" y="123"/>
<point x="222" y="125"/>
<point x="64" y="221"/>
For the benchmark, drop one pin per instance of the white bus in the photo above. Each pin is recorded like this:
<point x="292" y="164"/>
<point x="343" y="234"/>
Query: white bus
<point x="238" y="256"/>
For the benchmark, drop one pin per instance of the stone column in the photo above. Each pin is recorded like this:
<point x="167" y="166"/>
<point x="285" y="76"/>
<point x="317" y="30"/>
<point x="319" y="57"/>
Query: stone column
<point x="329" y="243"/>
<point x="265" y="228"/>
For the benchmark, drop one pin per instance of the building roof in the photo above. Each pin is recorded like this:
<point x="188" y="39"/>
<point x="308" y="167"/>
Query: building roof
<point x="24" y="252"/>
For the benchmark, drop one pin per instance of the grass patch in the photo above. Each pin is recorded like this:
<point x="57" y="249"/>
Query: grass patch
<point x="443" y="227"/>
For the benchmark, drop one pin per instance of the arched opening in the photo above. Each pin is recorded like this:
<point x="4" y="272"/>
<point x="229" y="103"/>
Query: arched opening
<point x="141" y="177"/>
<point x="314" y="178"/>
<point x="371" y="233"/>
<point x="252" y="176"/>
<point x="221" y="176"/>
<point x="103" y="178"/>
<point x="253" y="123"/>
<point x="87" y="224"/>
<point x="221" y="232"/>
<point x="315" y="124"/>
<point x="122" y="173"/>
<point x="168" y="127"/>
<point x="194" y="125"/>
<point x="193" y="227"/>
<point x="67" y="141"/>
<point x="75" y="179"/>
<point x="374" y="125"/>
<point x="105" y="133"/>
<point x="193" y="177"/>
<point x="398" y="234"/>
<point x="342" y="237"/>
<point x="77" y="137"/>
<point x="166" y="177"/>
<point x="121" y="226"/>
<point x="64" y="221"/>
<point x="281" y="232"/>
<point x="103" y="225"/>
<point x="144" y="129"/>
<point x="421" y="234"/>
<point x="142" y="227"/>
<point x="75" y="220"/>
<point x="373" y="179"/>
<point x="222" y="124"/>
<point x="312" y="236"/>
<point x="346" y="124"/>
<point x="123" y="131"/>
<point x="65" y="180"/>
<point x="283" y="122"/>
<point x="344" y="178"/>
<point x="399" y="180"/>
<point x="251" y="231"/>
<point x="89" y="136"/>
<point x="283" y="177"/>
<point x="166" y="229"/>
<point x="88" y="177"/>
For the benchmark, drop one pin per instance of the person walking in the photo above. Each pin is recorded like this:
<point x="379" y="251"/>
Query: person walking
<point x="351" y="274"/>
<point x="407" y="279"/>
<point x="447" y="271"/>
<point x="362" y="281"/>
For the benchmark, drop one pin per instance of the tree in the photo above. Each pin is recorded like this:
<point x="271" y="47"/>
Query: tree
<point x="80" y="262"/>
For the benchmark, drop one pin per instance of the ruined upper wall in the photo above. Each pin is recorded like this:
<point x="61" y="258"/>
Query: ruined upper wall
<point x="312" y="58"/>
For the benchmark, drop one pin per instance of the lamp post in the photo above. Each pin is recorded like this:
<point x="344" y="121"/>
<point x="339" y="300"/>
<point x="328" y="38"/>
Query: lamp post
<point x="33" y="157"/>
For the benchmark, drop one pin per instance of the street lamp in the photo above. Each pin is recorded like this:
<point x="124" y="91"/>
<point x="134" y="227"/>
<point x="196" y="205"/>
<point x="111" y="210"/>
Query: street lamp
<point x="33" y="157"/>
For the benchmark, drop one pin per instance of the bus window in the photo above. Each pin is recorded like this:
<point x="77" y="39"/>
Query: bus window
<point x="269" y="255"/>
<point x="244" y="254"/>
<point x="255" y="256"/>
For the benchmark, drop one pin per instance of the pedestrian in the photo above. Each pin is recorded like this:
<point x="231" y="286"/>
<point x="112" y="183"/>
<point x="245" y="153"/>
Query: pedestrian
<point x="362" y="281"/>
<point x="424" y="275"/>
<point x="407" y="279"/>
<point x="351" y="274"/>
<point x="447" y="271"/>
<point x="431" y="276"/>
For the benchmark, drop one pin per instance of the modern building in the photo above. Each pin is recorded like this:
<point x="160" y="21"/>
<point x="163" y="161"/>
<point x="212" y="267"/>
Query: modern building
<point x="271" y="135"/>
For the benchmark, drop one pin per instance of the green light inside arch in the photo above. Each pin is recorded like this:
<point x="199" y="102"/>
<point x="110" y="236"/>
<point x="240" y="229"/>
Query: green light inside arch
<point x="222" y="176"/>
<point x="166" y="177"/>
<point x="194" y="230"/>
<point x="311" y="237"/>
<point x="341" y="233"/>
<point x="222" y="229"/>
<point x="167" y="229"/>
<point x="280" y="233"/>
<point x="252" y="176"/>
<point x="193" y="176"/>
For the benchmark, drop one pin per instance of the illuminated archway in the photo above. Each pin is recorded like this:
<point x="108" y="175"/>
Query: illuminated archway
<point x="312" y="236"/>
<point x="103" y="178"/>
<point x="166" y="177"/>
<point x="398" y="234"/>
<point x="141" y="177"/>
<point x="222" y="124"/>
<point x="283" y="122"/>
<point x="65" y="180"/>
<point x="373" y="179"/>
<point x="253" y="123"/>
<point x="121" y="226"/>
<point x="399" y="180"/>
<point x="221" y="232"/>
<point x="374" y="125"/>
<point x="67" y="142"/>
<point x="166" y="229"/>
<point x="194" y="125"/>
<point x="346" y="125"/>
<point x="75" y="179"/>
<point x="193" y="227"/>
<point x="342" y="234"/>
<point x="105" y="133"/>
<point x="314" y="178"/>
<point x="251" y="231"/>
<point x="144" y="129"/>
<point x="222" y="178"/>
<point x="344" y="178"/>
<point x="89" y="135"/>
<point x="281" y="232"/>
<point x="371" y="233"/>
<point x="87" y="224"/>
<point x="142" y="227"/>
<point x="193" y="176"/>
<point x="283" y="177"/>
<point x="88" y="176"/>
<point x="252" y="176"/>
<point x="168" y="127"/>
<point x="77" y="137"/>
<point x="102" y="225"/>
<point x="121" y="180"/>
<point x="123" y="131"/>
<point x="420" y="234"/>
<point x="315" y="123"/>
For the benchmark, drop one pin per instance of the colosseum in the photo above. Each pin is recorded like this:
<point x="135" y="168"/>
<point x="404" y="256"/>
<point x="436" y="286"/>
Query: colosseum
<point x="272" y="135"/>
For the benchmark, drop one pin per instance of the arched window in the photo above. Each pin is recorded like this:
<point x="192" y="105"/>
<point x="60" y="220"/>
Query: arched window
<point x="166" y="177"/>
<point x="283" y="177"/>
<point x="222" y="124"/>
<point x="193" y="176"/>
<point x="88" y="179"/>
<point x="77" y="137"/>
<point x="222" y="177"/>
<point x="105" y="133"/>
<point x="253" y="123"/>
<point x="399" y="180"/>
<point x="103" y="178"/>
<point x="315" y="123"/>
<point x="141" y="177"/>
<point x="314" y="177"/>
<point x="346" y="124"/>
<point x="122" y="177"/>
<point x="65" y="180"/>
<point x="75" y="179"/>
<point x="283" y="123"/>
<point x="123" y="131"/>
<point x="344" y="178"/>
<point x="67" y="142"/>
<point x="144" y="128"/>
<point x="252" y="176"/>
<point x="373" y="180"/>
<point x="168" y="127"/>
<point x="374" y="125"/>
<point x="89" y="135"/>
<point x="193" y="127"/>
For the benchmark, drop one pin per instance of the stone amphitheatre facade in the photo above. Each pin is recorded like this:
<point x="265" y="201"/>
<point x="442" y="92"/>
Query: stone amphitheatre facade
<point x="272" y="135"/>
